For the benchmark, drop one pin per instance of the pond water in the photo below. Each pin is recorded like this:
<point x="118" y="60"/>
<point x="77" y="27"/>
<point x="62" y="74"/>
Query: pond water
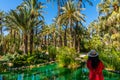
<point x="53" y="72"/>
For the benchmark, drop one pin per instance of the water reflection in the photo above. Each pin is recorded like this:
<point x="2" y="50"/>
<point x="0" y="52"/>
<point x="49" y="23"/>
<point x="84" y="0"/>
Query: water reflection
<point x="33" y="77"/>
<point x="53" y="74"/>
<point x="1" y="77"/>
<point x="20" y="77"/>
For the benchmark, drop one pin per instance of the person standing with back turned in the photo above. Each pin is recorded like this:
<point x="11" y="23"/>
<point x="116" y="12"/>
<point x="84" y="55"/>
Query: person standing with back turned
<point x="95" y="66"/>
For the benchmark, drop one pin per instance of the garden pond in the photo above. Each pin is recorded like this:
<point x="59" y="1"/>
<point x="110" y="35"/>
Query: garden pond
<point x="53" y="72"/>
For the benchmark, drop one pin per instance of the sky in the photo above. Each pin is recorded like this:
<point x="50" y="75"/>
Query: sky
<point x="51" y="9"/>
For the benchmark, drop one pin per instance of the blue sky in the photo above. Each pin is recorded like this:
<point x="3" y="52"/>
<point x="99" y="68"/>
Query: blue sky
<point x="51" y="9"/>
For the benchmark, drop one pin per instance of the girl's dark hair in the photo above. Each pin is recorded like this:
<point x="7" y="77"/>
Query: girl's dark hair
<point x="94" y="61"/>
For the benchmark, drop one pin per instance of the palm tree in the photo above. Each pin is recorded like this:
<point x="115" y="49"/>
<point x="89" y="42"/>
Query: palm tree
<point x="107" y="24"/>
<point x="1" y="27"/>
<point x="60" y="3"/>
<point x="104" y="8"/>
<point x="20" y="19"/>
<point x="1" y="20"/>
<point x="54" y="33"/>
<point x="35" y="7"/>
<point x="70" y="14"/>
<point x="108" y="7"/>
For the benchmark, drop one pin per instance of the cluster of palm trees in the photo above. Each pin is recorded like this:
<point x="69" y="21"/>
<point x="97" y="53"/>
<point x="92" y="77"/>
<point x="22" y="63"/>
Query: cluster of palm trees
<point x="28" y="31"/>
<point x="107" y="25"/>
<point x="22" y="22"/>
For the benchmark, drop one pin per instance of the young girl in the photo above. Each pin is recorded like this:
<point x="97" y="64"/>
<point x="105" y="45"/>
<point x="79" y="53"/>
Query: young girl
<point x="95" y="66"/>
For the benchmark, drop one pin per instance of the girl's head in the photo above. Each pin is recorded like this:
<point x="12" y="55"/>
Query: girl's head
<point x="94" y="58"/>
<point x="92" y="53"/>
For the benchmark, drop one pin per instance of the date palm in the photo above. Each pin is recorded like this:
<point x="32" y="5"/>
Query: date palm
<point x="108" y="22"/>
<point x="35" y="7"/>
<point x="20" y="20"/>
<point x="60" y="3"/>
<point x="1" y="27"/>
<point x="104" y="8"/>
<point x="70" y="14"/>
<point x="1" y="20"/>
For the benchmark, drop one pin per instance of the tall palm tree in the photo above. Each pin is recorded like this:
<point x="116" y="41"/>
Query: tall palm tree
<point x="1" y="27"/>
<point x="60" y="3"/>
<point x="70" y="14"/>
<point x="81" y="4"/>
<point x="107" y="24"/>
<point x="20" y="19"/>
<point x="1" y="20"/>
<point x="35" y="7"/>
<point x="104" y="8"/>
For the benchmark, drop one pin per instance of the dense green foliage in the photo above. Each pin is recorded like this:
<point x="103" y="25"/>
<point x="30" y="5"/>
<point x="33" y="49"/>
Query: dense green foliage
<point x="62" y="40"/>
<point x="105" y="33"/>
<point x="111" y="59"/>
<point x="52" y="51"/>
<point x="66" y="57"/>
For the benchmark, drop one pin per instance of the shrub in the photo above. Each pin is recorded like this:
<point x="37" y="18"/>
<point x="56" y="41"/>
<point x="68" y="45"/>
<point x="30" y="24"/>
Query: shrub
<point x="8" y="57"/>
<point x="3" y="67"/>
<point x="111" y="59"/>
<point x="66" y="57"/>
<point x="19" y="51"/>
<point x="52" y="52"/>
<point x="95" y="43"/>
<point x="24" y="60"/>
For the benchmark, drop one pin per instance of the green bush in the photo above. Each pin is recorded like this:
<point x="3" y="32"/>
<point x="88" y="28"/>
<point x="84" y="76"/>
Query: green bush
<point x="66" y="57"/>
<point x="8" y="57"/>
<point x="20" y="60"/>
<point x="52" y="52"/>
<point x="111" y="59"/>
<point x="43" y="47"/>
<point x="39" y="57"/>
<point x="19" y="51"/>
<point x="25" y="60"/>
<point x="3" y="67"/>
<point x="96" y="43"/>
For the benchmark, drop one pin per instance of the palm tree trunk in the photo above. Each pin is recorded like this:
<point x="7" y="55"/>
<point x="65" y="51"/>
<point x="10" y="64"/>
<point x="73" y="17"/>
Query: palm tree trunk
<point x="1" y="24"/>
<point x="78" y="48"/>
<point x="31" y="40"/>
<point x="55" y="43"/>
<point x="77" y="39"/>
<point x="48" y="41"/>
<point x="45" y="41"/>
<point x="1" y="35"/>
<point x="65" y="37"/>
<point x="42" y="41"/>
<point x="14" y="43"/>
<point x="36" y="31"/>
<point x="1" y="31"/>
<point x="70" y="33"/>
<point x="14" y="36"/>
<point x="54" y="39"/>
<point x="60" y="37"/>
<point x="25" y="43"/>
<point x="19" y="41"/>
<point x="76" y="36"/>
<point x="60" y="41"/>
<point x="58" y="3"/>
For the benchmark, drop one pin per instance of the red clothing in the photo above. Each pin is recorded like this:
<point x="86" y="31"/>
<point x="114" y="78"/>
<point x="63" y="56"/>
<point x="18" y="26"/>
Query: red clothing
<point x="95" y="74"/>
